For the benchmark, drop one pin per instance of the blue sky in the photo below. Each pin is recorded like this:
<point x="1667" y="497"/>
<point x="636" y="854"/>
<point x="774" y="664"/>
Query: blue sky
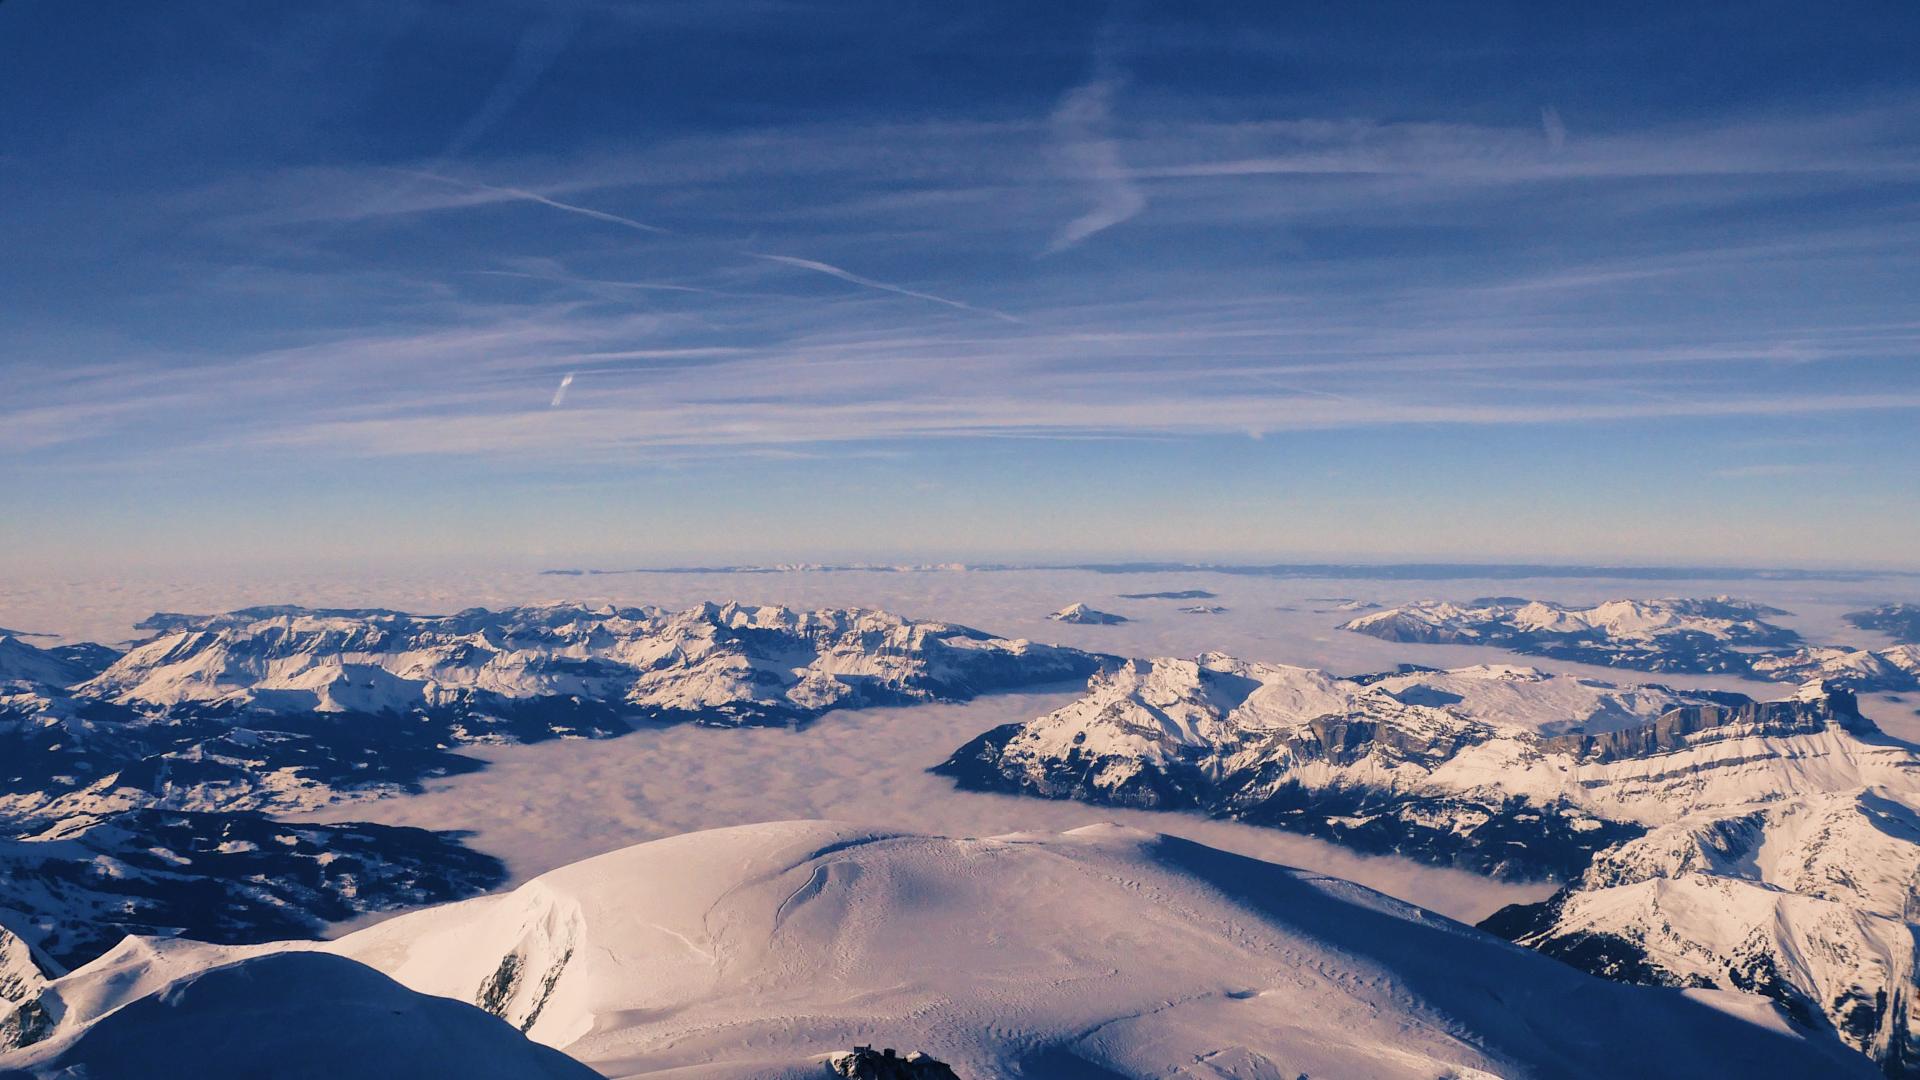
<point x="892" y="281"/>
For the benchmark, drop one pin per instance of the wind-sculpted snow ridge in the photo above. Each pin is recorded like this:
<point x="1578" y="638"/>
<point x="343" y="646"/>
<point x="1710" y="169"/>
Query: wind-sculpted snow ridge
<point x="766" y="950"/>
<point x="1706" y="839"/>
<point x="1675" y="635"/>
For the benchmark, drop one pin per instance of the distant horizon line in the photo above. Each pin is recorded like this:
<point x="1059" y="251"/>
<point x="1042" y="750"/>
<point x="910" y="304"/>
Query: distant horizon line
<point x="1399" y="571"/>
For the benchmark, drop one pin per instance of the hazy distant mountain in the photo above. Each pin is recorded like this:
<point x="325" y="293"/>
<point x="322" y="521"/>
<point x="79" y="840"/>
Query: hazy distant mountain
<point x="1294" y="571"/>
<point x="1681" y="635"/>
<point x="1341" y="603"/>
<point x="1083" y="615"/>
<point x="765" y="950"/>
<point x="1901" y="621"/>
<point x="1891" y="669"/>
<point x="1718" y="635"/>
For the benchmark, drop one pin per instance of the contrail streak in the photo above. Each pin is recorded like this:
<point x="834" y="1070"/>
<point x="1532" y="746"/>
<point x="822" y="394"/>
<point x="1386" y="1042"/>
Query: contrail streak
<point x="560" y="394"/>
<point x="536" y="197"/>
<point x="847" y="275"/>
<point x="786" y="260"/>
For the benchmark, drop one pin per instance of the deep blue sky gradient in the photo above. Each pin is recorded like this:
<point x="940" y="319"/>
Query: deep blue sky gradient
<point x="981" y="281"/>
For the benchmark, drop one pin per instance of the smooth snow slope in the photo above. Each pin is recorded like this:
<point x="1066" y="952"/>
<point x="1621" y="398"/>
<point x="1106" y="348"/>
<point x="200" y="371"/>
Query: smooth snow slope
<point x="1104" y="952"/>
<point x="293" y="1016"/>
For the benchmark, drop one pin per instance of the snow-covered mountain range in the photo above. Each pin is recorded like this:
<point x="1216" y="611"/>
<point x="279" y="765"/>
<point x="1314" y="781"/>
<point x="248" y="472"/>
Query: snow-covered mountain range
<point x="268" y="708"/>
<point x="1506" y="770"/>
<point x="763" y="951"/>
<point x="714" y="664"/>
<point x="134" y="787"/>
<point x="1893" y="669"/>
<point x="286" y="708"/>
<point x="1624" y="792"/>
<point x="116" y="819"/>
<point x="1720" y="635"/>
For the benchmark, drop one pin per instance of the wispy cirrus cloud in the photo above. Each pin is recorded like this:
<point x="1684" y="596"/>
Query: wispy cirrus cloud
<point x="1090" y="154"/>
<point x="786" y="372"/>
